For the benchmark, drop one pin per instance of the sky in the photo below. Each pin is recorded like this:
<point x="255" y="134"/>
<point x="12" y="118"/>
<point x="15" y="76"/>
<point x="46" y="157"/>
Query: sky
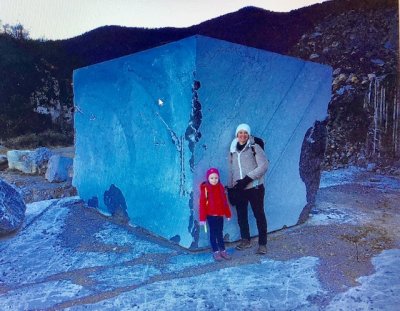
<point x="61" y="19"/>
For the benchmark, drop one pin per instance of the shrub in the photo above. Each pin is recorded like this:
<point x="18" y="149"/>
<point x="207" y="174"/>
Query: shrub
<point x="45" y="139"/>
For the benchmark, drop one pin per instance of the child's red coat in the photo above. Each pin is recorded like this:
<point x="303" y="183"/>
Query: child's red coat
<point x="213" y="201"/>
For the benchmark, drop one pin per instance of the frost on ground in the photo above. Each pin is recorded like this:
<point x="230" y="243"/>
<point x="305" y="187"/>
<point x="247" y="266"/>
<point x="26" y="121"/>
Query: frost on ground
<point x="267" y="285"/>
<point x="346" y="257"/>
<point x="346" y="179"/>
<point x="379" y="291"/>
<point x="358" y="175"/>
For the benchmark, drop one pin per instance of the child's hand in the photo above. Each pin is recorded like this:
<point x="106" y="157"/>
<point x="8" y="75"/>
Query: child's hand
<point x="228" y="219"/>
<point x="202" y="223"/>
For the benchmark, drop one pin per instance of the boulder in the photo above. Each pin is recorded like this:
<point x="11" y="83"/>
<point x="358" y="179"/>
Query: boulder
<point x="167" y="114"/>
<point x="29" y="162"/>
<point x="12" y="208"/>
<point x="58" y="168"/>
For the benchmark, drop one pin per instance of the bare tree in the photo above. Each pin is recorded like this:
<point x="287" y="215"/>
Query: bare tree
<point x="16" y="31"/>
<point x="19" y="32"/>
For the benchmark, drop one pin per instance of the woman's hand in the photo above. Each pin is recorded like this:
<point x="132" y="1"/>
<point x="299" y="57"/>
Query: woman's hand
<point x="242" y="183"/>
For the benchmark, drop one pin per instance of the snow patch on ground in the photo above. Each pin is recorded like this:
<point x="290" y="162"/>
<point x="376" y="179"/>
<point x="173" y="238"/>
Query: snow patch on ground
<point x="115" y="277"/>
<point x="331" y="215"/>
<point x="114" y="235"/>
<point x="34" y="253"/>
<point x="359" y="176"/>
<point x="269" y="285"/>
<point x="339" y="177"/>
<point x="181" y="262"/>
<point x="379" y="291"/>
<point x="41" y="295"/>
<point x="36" y="208"/>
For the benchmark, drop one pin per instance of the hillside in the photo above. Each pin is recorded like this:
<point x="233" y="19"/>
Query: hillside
<point x="362" y="47"/>
<point x="251" y="26"/>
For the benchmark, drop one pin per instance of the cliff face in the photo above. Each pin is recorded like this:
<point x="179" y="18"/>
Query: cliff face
<point x="362" y="47"/>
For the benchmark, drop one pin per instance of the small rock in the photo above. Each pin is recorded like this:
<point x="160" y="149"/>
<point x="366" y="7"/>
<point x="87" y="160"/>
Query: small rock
<point x="373" y="179"/>
<point x="364" y="81"/>
<point x="361" y="160"/>
<point x="397" y="172"/>
<point x="342" y="77"/>
<point x="371" y="167"/>
<point x="389" y="45"/>
<point x="3" y="162"/>
<point x="58" y="168"/>
<point x="316" y="34"/>
<point x="352" y="78"/>
<point x="343" y="89"/>
<point x="378" y="62"/>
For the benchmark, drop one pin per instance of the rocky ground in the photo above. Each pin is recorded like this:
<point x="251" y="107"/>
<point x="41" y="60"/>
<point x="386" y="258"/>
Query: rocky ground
<point x="35" y="187"/>
<point x="345" y="257"/>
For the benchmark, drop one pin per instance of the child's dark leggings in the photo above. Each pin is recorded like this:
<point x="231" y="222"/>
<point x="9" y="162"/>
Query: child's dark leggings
<point x="216" y="224"/>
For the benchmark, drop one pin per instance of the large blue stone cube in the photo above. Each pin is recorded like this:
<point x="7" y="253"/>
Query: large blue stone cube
<point x="149" y="125"/>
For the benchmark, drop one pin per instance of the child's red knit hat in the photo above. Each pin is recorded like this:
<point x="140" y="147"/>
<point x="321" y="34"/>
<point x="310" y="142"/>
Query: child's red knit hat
<point x="211" y="171"/>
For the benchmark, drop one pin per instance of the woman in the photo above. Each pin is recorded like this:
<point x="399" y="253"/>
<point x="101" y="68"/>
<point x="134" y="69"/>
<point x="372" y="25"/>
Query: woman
<point x="248" y="165"/>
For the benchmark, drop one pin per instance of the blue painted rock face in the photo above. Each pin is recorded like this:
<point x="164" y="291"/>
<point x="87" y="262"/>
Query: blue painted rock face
<point x="149" y="125"/>
<point x="12" y="208"/>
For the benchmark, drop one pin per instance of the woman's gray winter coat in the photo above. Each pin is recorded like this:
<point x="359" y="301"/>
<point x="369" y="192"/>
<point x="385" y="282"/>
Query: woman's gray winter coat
<point x="246" y="163"/>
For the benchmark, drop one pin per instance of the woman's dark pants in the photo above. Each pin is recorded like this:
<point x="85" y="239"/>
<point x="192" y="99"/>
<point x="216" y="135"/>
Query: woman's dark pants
<point x="216" y="224"/>
<point x="256" y="198"/>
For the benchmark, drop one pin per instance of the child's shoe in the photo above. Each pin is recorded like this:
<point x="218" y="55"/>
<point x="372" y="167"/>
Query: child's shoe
<point x="225" y="255"/>
<point x="217" y="256"/>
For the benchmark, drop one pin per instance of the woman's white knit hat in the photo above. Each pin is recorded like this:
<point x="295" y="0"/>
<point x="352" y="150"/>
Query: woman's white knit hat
<point x="243" y="127"/>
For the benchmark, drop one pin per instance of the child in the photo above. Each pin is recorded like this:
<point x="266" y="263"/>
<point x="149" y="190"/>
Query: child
<point x="213" y="206"/>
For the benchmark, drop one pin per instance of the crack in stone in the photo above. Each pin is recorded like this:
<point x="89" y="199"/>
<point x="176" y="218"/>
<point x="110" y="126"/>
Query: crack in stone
<point x="193" y="135"/>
